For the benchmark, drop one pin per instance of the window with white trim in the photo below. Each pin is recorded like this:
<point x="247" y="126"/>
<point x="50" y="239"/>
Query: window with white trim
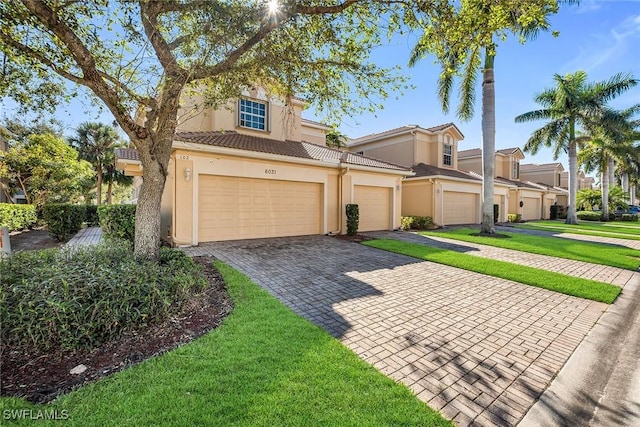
<point x="447" y="158"/>
<point x="252" y="114"/>
<point x="515" y="174"/>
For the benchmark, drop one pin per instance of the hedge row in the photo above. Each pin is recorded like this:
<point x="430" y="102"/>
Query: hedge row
<point x="17" y="217"/>
<point x="416" y="222"/>
<point x="63" y="220"/>
<point x="589" y="215"/>
<point x="118" y="221"/>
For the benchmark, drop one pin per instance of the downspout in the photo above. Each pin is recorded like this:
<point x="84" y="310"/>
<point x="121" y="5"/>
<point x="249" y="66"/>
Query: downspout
<point x="343" y="171"/>
<point x="433" y="199"/>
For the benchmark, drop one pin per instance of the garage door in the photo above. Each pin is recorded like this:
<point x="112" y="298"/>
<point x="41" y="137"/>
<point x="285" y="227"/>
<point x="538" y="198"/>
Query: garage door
<point x="374" y="204"/>
<point x="460" y="208"/>
<point x="245" y="208"/>
<point x="531" y="208"/>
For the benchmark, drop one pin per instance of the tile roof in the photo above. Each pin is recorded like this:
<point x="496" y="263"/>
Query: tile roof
<point x="473" y="152"/>
<point x="535" y="166"/>
<point x="423" y="170"/>
<point x="521" y="184"/>
<point x="127" y="154"/>
<point x="508" y="150"/>
<point x="303" y="150"/>
<point x="313" y="122"/>
<point x="433" y="129"/>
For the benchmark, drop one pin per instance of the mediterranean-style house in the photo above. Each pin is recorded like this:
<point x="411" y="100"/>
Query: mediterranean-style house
<point x="583" y="181"/>
<point x="549" y="174"/>
<point x="255" y="168"/>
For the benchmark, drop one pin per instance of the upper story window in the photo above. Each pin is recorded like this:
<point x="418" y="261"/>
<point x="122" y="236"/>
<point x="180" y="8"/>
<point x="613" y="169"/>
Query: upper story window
<point x="447" y="158"/>
<point x="515" y="174"/>
<point x="252" y="114"/>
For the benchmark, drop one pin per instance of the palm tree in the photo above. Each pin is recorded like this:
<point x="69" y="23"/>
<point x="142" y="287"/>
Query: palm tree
<point x="335" y="139"/>
<point x="572" y="104"/>
<point x="112" y="176"/>
<point x="96" y="143"/>
<point x="463" y="40"/>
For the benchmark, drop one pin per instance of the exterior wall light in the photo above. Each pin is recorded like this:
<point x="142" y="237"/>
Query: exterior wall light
<point x="187" y="174"/>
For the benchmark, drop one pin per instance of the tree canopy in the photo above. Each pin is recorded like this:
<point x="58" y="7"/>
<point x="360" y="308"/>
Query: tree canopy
<point x="141" y="56"/>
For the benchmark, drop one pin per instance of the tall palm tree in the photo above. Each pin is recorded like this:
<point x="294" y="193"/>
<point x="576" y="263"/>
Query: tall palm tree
<point x="96" y="143"/>
<point x="573" y="104"/>
<point x="463" y="40"/>
<point x="112" y="176"/>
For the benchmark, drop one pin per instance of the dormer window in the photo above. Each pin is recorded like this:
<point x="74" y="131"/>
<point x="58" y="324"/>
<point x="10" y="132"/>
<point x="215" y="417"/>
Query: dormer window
<point x="252" y="114"/>
<point x="515" y="174"/>
<point x="447" y="158"/>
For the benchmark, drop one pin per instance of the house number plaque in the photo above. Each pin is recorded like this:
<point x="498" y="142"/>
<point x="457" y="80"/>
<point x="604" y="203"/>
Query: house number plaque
<point x="270" y="171"/>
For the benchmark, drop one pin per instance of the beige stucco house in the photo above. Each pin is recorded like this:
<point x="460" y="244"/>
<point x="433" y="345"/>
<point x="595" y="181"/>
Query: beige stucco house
<point x="254" y="168"/>
<point x="583" y="181"/>
<point x="440" y="188"/>
<point x="547" y="174"/>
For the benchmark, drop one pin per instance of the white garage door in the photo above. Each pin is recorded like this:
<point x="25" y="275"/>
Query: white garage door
<point x="460" y="208"/>
<point x="531" y="208"/>
<point x="245" y="208"/>
<point x="374" y="204"/>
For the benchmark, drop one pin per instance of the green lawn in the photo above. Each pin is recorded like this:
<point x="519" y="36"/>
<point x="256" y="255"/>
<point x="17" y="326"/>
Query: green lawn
<point x="596" y="253"/>
<point x="589" y="289"/>
<point x="264" y="366"/>
<point x="620" y="230"/>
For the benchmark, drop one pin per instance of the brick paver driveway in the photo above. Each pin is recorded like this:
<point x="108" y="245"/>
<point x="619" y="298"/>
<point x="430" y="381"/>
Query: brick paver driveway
<point x="477" y="348"/>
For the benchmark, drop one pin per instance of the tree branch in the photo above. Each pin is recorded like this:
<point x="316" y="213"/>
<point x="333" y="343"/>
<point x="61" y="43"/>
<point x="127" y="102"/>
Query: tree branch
<point x="149" y="16"/>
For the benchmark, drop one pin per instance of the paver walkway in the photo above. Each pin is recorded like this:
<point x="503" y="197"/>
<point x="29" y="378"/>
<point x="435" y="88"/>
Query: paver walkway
<point x="86" y="236"/>
<point x="602" y="273"/>
<point x="478" y="348"/>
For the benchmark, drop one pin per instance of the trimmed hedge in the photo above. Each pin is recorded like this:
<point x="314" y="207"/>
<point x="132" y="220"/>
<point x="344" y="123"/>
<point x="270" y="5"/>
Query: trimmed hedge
<point x="83" y="296"/>
<point x="416" y="222"/>
<point x="629" y="217"/>
<point x="353" y="219"/>
<point x="91" y="215"/>
<point x="118" y="221"/>
<point x="514" y="217"/>
<point x="63" y="220"/>
<point x="589" y="215"/>
<point x="17" y="217"/>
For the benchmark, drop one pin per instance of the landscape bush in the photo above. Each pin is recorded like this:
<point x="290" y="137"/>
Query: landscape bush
<point x="81" y="297"/>
<point x="416" y="222"/>
<point x="514" y="217"/>
<point x="63" y="220"/>
<point x="17" y="217"/>
<point x="118" y="221"/>
<point x="589" y="215"/>
<point x="91" y="215"/>
<point x="353" y="219"/>
<point x="629" y="217"/>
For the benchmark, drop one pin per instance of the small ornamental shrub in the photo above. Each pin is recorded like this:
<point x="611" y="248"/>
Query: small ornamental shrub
<point x="416" y="222"/>
<point x="629" y="217"/>
<point x="353" y="219"/>
<point x="17" y="217"/>
<point x="118" y="221"/>
<point x="91" y="215"/>
<point x="514" y="217"/>
<point x="589" y="215"/>
<point x="83" y="296"/>
<point x="63" y="220"/>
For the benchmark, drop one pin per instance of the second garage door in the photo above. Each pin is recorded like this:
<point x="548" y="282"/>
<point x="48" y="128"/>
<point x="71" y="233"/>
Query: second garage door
<point x="530" y="208"/>
<point x="245" y="208"/>
<point x="460" y="208"/>
<point x="374" y="204"/>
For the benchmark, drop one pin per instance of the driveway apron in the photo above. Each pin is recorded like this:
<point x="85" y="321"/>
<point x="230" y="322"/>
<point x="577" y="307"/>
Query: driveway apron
<point x="478" y="348"/>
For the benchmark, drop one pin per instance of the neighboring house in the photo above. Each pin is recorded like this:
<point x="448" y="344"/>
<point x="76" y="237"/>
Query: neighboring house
<point x="583" y="181"/>
<point x="548" y="174"/>
<point x="256" y="169"/>
<point x="439" y="188"/>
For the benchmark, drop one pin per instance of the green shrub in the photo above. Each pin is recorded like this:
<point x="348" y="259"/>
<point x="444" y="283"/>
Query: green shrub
<point x="416" y="222"/>
<point x="63" y="220"/>
<point x="17" y="217"/>
<point x="118" y="221"/>
<point x="514" y="217"/>
<point x="629" y="217"/>
<point x="589" y="215"/>
<point x="353" y="219"/>
<point x="91" y="215"/>
<point x="83" y="296"/>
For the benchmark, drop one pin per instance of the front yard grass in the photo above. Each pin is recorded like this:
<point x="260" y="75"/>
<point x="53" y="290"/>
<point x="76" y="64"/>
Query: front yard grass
<point x="620" y="230"/>
<point x="595" y="253"/>
<point x="263" y="366"/>
<point x="583" y="288"/>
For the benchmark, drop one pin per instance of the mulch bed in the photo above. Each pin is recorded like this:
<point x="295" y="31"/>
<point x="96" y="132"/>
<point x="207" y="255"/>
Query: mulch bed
<point x="41" y="378"/>
<point x="32" y="239"/>
<point x="356" y="239"/>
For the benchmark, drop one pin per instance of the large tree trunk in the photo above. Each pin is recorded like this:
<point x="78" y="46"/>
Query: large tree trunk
<point x="110" y="193"/>
<point x="611" y="166"/>
<point x="625" y="186"/>
<point x="605" y="192"/>
<point x="488" y="144"/>
<point x="99" y="184"/>
<point x="572" y="218"/>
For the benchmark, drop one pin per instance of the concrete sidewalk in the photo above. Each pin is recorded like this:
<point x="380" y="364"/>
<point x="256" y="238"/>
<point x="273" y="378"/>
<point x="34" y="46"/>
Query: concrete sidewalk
<point x="86" y="237"/>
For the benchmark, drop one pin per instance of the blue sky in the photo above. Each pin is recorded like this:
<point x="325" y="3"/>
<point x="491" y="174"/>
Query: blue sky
<point x="601" y="37"/>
